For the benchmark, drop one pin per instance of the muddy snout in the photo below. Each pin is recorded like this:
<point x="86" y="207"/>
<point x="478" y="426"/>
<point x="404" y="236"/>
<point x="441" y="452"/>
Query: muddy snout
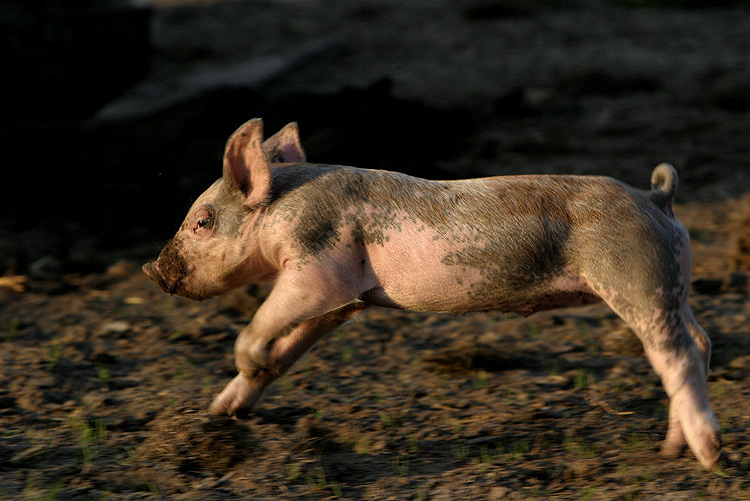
<point x="169" y="271"/>
<point x="166" y="283"/>
<point x="151" y="270"/>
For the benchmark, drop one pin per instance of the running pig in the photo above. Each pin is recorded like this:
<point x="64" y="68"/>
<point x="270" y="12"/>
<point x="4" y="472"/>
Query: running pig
<point x="335" y="240"/>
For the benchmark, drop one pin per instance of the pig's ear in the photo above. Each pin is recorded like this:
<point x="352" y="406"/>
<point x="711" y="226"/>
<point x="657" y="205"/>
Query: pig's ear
<point x="285" y="146"/>
<point x="246" y="167"/>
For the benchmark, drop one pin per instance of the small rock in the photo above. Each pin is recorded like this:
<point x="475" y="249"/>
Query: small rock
<point x="117" y="327"/>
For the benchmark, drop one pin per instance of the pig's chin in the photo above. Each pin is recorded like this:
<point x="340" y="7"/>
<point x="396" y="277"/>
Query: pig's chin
<point x="188" y="294"/>
<point x="184" y="288"/>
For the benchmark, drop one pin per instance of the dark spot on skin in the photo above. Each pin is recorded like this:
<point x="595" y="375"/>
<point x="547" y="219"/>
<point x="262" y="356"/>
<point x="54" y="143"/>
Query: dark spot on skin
<point x="317" y="234"/>
<point x="536" y="257"/>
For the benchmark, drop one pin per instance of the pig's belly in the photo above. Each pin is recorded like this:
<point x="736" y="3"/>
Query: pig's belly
<point x="523" y="302"/>
<point x="427" y="284"/>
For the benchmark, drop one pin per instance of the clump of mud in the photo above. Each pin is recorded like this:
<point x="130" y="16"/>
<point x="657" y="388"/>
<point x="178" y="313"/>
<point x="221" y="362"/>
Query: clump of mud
<point x="190" y="442"/>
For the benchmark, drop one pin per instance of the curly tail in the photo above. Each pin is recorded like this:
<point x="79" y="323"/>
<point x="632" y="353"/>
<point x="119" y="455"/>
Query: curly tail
<point x="664" y="186"/>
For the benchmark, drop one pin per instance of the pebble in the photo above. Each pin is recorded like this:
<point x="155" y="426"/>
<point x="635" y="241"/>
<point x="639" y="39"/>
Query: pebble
<point x="118" y="326"/>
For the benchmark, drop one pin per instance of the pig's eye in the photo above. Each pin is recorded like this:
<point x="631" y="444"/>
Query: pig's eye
<point x="203" y="219"/>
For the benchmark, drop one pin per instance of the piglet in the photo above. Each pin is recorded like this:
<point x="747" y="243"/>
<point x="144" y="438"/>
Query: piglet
<point x="335" y="240"/>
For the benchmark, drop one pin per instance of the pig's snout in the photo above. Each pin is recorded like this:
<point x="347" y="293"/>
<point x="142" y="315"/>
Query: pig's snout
<point x="170" y="271"/>
<point x="152" y="271"/>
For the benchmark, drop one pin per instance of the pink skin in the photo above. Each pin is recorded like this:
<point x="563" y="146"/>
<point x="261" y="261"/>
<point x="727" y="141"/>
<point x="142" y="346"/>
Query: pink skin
<point x="335" y="240"/>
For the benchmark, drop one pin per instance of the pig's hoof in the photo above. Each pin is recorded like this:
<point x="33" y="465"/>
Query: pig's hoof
<point x="708" y="451"/>
<point x="671" y="450"/>
<point x="236" y="398"/>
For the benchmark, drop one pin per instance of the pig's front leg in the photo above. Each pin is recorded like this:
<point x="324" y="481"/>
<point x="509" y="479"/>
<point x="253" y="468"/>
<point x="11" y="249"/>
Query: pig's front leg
<point x="297" y="297"/>
<point x="243" y="391"/>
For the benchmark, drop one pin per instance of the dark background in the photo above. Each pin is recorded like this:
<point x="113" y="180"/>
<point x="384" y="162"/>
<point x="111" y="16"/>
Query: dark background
<point x="94" y="173"/>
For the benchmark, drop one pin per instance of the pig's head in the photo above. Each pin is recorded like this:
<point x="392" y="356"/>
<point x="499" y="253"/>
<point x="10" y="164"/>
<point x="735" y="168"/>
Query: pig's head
<point x="212" y="250"/>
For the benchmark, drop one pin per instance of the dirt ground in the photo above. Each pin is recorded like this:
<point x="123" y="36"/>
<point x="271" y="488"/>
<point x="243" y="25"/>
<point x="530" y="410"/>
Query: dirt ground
<point x="106" y="380"/>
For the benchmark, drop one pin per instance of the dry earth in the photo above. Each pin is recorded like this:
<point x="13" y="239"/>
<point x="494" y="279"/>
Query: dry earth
<point x="105" y="380"/>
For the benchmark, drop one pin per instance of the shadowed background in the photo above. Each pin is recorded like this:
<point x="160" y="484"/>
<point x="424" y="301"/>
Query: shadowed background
<point x="116" y="113"/>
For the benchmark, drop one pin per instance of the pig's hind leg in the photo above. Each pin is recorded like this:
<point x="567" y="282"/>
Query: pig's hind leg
<point x="241" y="394"/>
<point x="679" y="351"/>
<point x="675" y="441"/>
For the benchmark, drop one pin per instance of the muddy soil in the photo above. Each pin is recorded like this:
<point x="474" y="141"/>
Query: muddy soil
<point x="106" y="380"/>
